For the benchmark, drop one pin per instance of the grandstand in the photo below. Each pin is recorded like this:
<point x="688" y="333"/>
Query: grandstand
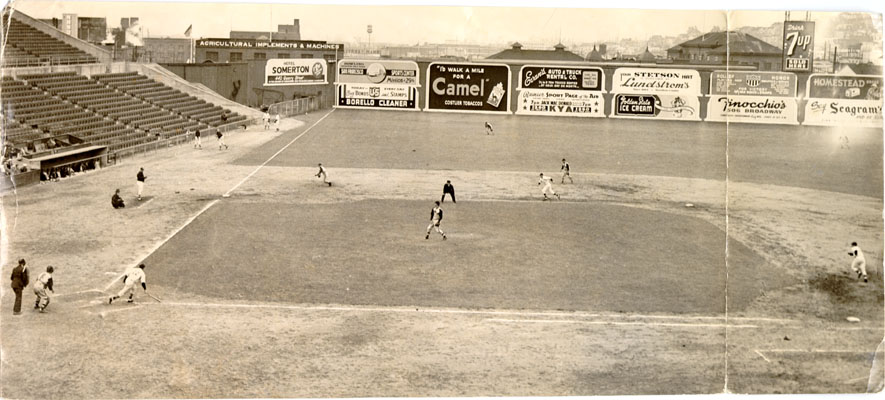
<point x="59" y="89"/>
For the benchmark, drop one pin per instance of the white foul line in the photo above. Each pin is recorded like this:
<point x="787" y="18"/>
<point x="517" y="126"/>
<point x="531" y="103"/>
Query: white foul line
<point x="561" y="321"/>
<point x="162" y="242"/>
<point x="277" y="153"/>
<point x="762" y="355"/>
<point x="212" y="203"/>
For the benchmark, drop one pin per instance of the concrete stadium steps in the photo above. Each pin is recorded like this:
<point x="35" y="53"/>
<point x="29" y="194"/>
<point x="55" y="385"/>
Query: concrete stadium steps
<point x="168" y="98"/>
<point x="93" y="95"/>
<point x="34" y="47"/>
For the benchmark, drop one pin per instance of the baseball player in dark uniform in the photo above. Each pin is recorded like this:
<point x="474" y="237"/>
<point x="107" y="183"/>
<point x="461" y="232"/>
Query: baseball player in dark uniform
<point x="19" y="282"/>
<point x="448" y="188"/>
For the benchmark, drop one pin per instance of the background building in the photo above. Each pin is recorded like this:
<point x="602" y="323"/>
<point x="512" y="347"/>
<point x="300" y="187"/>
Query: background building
<point x="284" y="32"/>
<point x="740" y="49"/>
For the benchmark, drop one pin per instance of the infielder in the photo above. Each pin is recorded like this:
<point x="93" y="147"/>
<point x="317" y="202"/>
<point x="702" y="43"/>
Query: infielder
<point x="139" y="180"/>
<point x="266" y="120"/>
<point x="548" y="186"/>
<point x="565" y="172"/>
<point x="436" y="216"/>
<point x="130" y="278"/>
<point x="489" y="129"/>
<point x="859" y="265"/>
<point x="322" y="173"/>
<point x="276" y="122"/>
<point x="43" y="283"/>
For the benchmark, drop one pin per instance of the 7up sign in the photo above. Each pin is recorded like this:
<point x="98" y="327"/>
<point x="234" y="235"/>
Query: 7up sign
<point x="798" y="46"/>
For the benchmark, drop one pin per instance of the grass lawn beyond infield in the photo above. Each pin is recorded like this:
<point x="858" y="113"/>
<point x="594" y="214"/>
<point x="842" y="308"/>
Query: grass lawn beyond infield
<point x="520" y="255"/>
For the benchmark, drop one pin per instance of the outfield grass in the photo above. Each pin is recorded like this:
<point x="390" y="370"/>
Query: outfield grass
<point x="519" y="255"/>
<point x="800" y="156"/>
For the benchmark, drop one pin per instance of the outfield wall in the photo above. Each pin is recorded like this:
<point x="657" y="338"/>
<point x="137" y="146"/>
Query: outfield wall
<point x="565" y="89"/>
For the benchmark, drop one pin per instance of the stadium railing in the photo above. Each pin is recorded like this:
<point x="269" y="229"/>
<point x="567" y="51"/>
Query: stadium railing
<point x="295" y="107"/>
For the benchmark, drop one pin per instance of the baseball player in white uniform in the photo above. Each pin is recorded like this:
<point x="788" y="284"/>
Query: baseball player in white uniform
<point x="43" y="283"/>
<point x="436" y="216"/>
<point x="489" y="129"/>
<point x="276" y="122"/>
<point x="548" y="186"/>
<point x="322" y="173"/>
<point x="266" y="120"/>
<point x="859" y="264"/>
<point x="131" y="277"/>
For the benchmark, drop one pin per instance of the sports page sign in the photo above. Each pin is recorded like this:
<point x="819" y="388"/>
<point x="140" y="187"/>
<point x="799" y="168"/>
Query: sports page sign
<point x="664" y="106"/>
<point x="468" y="87"/>
<point x="753" y="97"/>
<point x="740" y="83"/>
<point x="377" y="72"/>
<point x="798" y="46"/>
<point x="842" y="100"/>
<point x="561" y="90"/>
<point x="377" y="84"/>
<point x="657" y="81"/>
<point x="292" y="71"/>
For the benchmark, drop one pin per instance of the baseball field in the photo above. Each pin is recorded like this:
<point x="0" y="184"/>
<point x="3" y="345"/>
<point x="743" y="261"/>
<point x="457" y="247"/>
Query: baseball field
<point x="684" y="258"/>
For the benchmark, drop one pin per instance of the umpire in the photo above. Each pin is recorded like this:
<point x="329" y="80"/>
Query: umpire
<point x="19" y="282"/>
<point x="448" y="188"/>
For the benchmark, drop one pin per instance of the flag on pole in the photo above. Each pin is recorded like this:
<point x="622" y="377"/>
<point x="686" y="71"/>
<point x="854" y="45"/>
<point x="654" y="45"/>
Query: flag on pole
<point x="187" y="33"/>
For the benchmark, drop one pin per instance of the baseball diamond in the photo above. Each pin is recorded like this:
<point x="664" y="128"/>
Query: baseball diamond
<point x="691" y="250"/>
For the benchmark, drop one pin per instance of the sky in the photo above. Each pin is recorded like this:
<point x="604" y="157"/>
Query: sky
<point x="490" y="22"/>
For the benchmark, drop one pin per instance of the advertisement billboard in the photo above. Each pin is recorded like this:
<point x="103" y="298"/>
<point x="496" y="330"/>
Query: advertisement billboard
<point x="798" y="46"/>
<point x="657" y="81"/>
<point x="838" y="112"/>
<point x="568" y="103"/>
<point x="378" y="72"/>
<point x="664" y="106"/>
<point x="561" y="91"/>
<point x="294" y="71"/>
<point x="561" y="78"/>
<point x="753" y="109"/>
<point x="378" y="97"/>
<point x="463" y="87"/>
<point x="850" y="87"/>
<point x="755" y="83"/>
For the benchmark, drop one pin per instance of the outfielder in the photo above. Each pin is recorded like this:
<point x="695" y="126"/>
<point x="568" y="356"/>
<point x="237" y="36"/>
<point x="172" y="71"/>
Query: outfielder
<point x="43" y="283"/>
<point x="548" y="186"/>
<point x="489" y="129"/>
<point x="436" y="216"/>
<point x="130" y="278"/>
<point x="322" y="173"/>
<point x="859" y="265"/>
<point x="565" y="172"/>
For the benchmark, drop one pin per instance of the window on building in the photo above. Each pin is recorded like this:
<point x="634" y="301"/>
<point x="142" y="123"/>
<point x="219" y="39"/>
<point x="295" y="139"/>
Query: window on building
<point x="236" y="56"/>
<point x="212" y="56"/>
<point x="306" y="55"/>
<point x="259" y="56"/>
<point x="329" y="57"/>
<point x="283" y="55"/>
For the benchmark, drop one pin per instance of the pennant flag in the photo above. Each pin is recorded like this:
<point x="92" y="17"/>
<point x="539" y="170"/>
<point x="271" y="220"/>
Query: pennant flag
<point x="187" y="33"/>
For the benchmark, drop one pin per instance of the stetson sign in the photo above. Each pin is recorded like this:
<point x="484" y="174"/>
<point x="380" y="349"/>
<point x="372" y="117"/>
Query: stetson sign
<point x="468" y="87"/>
<point x="659" y="93"/>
